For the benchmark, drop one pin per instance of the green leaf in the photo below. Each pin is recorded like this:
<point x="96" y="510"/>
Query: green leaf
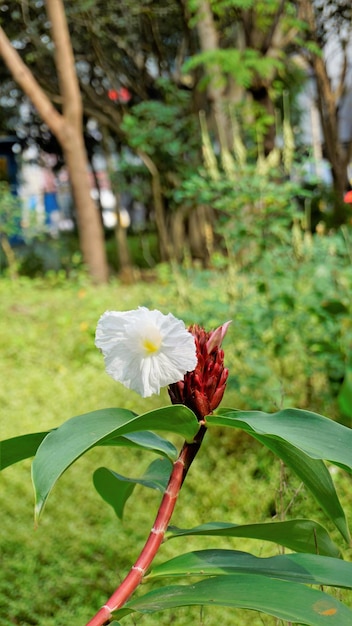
<point x="23" y="447"/>
<point x="67" y="443"/>
<point x="116" y="489"/>
<point x="285" y="600"/>
<point x="317" y="436"/>
<point x="311" y="569"/>
<point x="113" y="489"/>
<point x="146" y="440"/>
<point x="300" y="535"/>
<point x="19" y="448"/>
<point x="316" y="477"/>
<point x="345" y="394"/>
<point x="296" y="428"/>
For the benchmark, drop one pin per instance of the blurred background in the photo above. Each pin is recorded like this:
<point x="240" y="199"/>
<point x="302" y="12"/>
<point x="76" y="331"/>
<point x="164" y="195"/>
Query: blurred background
<point x="191" y="156"/>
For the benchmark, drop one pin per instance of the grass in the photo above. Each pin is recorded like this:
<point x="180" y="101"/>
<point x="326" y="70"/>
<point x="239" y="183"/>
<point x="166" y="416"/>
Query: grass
<point x="60" y="573"/>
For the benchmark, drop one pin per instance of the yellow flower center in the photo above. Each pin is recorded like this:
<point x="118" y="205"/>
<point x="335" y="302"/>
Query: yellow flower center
<point x="151" y="340"/>
<point x="150" y="346"/>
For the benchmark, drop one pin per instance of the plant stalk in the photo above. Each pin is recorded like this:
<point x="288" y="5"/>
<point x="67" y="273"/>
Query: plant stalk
<point x="156" y="535"/>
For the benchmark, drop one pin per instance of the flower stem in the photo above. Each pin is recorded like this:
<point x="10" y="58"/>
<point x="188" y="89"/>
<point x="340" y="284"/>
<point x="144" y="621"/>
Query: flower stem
<point x="156" y="535"/>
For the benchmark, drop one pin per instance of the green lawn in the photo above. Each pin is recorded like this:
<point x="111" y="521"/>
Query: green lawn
<point x="60" y="573"/>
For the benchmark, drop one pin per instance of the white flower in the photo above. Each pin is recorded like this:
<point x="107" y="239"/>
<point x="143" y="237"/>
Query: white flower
<point x="145" y="350"/>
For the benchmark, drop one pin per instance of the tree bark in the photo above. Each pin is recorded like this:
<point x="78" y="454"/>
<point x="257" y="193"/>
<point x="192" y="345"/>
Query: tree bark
<point x="269" y="42"/>
<point x="90" y="228"/>
<point x="209" y="41"/>
<point x="201" y="236"/>
<point x="68" y="129"/>
<point x="124" y="257"/>
<point x="10" y="257"/>
<point x="328" y="100"/>
<point x="166" y="248"/>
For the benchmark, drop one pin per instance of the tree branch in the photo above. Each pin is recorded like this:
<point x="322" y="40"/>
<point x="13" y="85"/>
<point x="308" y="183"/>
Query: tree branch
<point x="65" y="62"/>
<point x="269" y="36"/>
<point x="341" y="86"/>
<point x="25" y="79"/>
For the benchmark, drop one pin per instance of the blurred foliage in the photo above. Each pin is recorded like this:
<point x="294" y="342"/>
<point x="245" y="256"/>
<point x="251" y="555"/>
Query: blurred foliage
<point x="251" y="215"/>
<point x="292" y="316"/>
<point x="291" y="312"/>
<point x="253" y="197"/>
<point x="10" y="212"/>
<point x="240" y="64"/>
<point x="43" y="255"/>
<point x="168" y="133"/>
<point x="10" y="226"/>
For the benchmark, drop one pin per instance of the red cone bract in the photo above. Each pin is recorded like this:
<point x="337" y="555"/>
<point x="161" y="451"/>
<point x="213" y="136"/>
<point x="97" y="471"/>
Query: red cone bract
<point x="203" y="388"/>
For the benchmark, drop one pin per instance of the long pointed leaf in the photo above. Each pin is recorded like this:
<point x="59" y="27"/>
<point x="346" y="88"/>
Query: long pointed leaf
<point x="67" y="443"/>
<point x="310" y="569"/>
<point x="146" y="440"/>
<point x="285" y="600"/>
<point x="302" y="439"/>
<point x="116" y="489"/>
<point x="300" y="535"/>
<point x="317" y="436"/>
<point x="316" y="477"/>
<point x="25" y="446"/>
<point x="19" y="448"/>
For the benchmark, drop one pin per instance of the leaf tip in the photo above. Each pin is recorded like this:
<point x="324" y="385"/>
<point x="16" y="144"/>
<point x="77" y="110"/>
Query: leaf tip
<point x="38" y="508"/>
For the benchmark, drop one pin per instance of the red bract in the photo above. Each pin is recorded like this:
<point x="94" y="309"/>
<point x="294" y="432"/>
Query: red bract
<point x="203" y="388"/>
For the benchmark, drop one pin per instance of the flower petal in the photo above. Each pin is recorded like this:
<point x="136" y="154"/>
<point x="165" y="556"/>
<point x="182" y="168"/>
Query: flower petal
<point x="145" y="350"/>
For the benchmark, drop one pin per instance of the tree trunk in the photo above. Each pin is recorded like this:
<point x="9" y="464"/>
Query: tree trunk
<point x="267" y="40"/>
<point x="178" y="233"/>
<point x="209" y="41"/>
<point x="260" y="94"/>
<point x="10" y="257"/>
<point x="89" y="224"/>
<point x="88" y="219"/>
<point x="126" y="271"/>
<point x="337" y="156"/>
<point x="166" y="248"/>
<point x="328" y="100"/>
<point x="200" y="234"/>
<point x="68" y="130"/>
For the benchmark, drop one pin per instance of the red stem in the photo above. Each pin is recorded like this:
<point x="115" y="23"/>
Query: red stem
<point x="156" y="536"/>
